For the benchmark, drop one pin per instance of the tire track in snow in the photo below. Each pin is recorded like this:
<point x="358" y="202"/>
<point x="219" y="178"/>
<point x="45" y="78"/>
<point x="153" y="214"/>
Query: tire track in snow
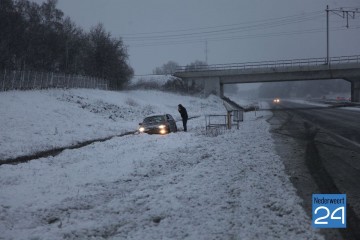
<point x="56" y="151"/>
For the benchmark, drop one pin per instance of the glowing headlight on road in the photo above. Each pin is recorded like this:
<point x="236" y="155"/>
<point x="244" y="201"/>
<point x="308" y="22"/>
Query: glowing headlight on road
<point x="162" y="131"/>
<point x="276" y="100"/>
<point x="162" y="126"/>
<point x="141" y="129"/>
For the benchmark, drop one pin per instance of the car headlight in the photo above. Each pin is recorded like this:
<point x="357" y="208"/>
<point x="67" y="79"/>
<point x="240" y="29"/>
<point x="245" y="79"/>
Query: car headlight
<point x="162" y="126"/>
<point x="141" y="129"/>
<point x="163" y="131"/>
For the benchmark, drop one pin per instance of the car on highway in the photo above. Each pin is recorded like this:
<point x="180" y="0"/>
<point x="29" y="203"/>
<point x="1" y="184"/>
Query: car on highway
<point x="276" y="100"/>
<point x="158" y="124"/>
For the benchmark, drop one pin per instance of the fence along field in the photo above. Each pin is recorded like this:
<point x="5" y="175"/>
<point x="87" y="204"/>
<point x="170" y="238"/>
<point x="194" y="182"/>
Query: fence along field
<point x="27" y="80"/>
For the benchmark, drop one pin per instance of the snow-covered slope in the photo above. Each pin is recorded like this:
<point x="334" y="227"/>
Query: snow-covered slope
<point x="34" y="121"/>
<point x="186" y="185"/>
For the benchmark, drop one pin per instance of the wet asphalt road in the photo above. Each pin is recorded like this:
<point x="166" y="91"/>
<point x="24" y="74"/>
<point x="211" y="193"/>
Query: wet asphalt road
<point x="322" y="155"/>
<point x="340" y="121"/>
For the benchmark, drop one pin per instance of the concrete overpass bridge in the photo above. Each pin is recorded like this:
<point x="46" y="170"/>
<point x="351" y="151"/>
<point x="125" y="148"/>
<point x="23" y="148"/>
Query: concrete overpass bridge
<point x="215" y="76"/>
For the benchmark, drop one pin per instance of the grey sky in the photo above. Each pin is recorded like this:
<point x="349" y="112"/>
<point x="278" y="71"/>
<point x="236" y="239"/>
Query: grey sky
<point x="157" y="31"/>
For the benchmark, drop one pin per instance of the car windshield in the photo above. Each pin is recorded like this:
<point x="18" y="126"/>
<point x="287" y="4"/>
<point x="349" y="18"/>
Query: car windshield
<point x="154" y="119"/>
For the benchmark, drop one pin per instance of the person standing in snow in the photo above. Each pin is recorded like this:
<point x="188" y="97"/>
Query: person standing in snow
<point x="184" y="115"/>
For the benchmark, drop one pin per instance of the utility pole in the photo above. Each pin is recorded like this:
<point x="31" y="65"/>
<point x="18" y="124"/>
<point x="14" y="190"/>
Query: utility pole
<point x="206" y="51"/>
<point x="342" y="13"/>
<point x="327" y="36"/>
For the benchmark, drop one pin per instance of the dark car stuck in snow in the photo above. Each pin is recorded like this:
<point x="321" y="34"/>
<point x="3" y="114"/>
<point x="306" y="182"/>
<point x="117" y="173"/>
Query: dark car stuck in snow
<point x="158" y="124"/>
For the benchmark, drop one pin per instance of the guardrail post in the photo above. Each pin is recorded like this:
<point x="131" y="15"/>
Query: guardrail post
<point x="229" y="120"/>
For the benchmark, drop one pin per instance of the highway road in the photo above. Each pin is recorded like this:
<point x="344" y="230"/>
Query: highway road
<point x="320" y="147"/>
<point x="340" y="121"/>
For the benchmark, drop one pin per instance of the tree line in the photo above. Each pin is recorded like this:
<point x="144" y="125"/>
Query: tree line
<point x="171" y="67"/>
<point x="40" y="38"/>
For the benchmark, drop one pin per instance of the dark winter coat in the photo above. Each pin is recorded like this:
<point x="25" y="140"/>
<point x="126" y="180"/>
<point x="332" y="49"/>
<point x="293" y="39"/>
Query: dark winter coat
<point x="183" y="112"/>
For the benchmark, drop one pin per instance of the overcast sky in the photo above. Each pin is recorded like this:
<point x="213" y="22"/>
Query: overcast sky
<point x="232" y="31"/>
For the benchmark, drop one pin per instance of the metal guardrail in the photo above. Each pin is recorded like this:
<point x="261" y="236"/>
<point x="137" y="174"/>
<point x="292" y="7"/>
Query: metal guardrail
<point x="216" y="121"/>
<point x="271" y="64"/>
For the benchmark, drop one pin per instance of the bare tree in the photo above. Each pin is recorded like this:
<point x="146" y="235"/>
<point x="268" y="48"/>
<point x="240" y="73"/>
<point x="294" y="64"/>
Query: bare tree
<point x="168" y="68"/>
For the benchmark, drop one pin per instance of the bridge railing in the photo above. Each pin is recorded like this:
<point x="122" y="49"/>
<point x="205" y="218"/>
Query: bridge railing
<point x="271" y="64"/>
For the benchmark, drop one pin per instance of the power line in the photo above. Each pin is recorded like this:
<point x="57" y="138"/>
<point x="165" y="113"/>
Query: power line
<point x="222" y="26"/>
<point x="227" y="32"/>
<point x="214" y="33"/>
<point x="254" y="27"/>
<point x="248" y="36"/>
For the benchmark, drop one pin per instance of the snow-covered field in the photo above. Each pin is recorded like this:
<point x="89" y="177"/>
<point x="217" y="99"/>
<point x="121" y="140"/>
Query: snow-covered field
<point x="185" y="185"/>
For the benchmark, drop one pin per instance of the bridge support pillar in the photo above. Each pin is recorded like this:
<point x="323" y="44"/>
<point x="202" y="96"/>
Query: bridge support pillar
<point x="355" y="90"/>
<point x="221" y="90"/>
<point x="212" y="86"/>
